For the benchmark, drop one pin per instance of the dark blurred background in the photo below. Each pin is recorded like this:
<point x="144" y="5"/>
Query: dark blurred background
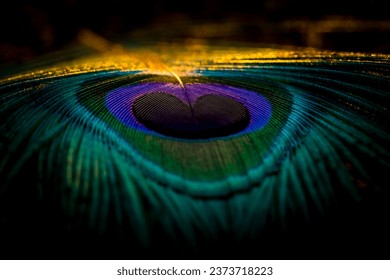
<point x="31" y="28"/>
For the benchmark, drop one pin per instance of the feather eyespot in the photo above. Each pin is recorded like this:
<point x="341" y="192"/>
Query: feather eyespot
<point x="250" y="143"/>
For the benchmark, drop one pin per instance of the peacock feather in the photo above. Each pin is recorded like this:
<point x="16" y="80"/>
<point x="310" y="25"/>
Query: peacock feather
<point x="197" y="151"/>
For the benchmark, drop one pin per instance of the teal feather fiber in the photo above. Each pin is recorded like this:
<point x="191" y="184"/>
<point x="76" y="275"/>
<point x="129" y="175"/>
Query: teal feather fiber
<point x="76" y="181"/>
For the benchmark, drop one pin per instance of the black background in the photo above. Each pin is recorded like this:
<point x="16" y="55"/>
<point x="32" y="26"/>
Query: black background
<point x="30" y="28"/>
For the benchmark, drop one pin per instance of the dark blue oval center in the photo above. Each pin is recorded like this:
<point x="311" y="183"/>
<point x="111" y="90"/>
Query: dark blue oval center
<point x="210" y="115"/>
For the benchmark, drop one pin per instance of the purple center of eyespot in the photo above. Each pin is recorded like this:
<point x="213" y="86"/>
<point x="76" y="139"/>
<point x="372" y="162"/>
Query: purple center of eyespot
<point x="202" y="111"/>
